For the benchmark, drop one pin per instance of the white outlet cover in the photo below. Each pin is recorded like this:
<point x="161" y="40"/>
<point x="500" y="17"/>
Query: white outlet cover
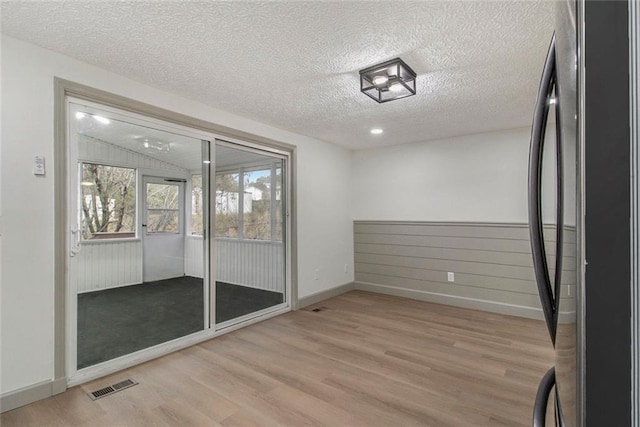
<point x="450" y="276"/>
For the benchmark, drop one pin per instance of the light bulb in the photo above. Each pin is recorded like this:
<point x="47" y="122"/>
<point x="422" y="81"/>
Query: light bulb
<point x="102" y="120"/>
<point x="380" y="80"/>
<point x="396" y="87"/>
<point x="376" y="131"/>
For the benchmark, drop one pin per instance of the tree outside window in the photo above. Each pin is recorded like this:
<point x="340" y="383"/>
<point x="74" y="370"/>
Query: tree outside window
<point x="196" y="205"/>
<point x="163" y="208"/>
<point x="227" y="204"/>
<point x="108" y="201"/>
<point x="258" y="208"/>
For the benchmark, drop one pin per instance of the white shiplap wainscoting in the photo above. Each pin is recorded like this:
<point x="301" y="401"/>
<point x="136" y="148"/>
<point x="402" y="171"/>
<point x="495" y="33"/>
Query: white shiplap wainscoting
<point x="109" y="264"/>
<point x="193" y="257"/>
<point x="253" y="263"/>
<point x="492" y="264"/>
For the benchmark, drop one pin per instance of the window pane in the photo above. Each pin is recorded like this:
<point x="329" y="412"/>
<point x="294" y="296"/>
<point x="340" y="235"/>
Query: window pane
<point x="108" y="201"/>
<point x="227" y="203"/>
<point x="196" y="204"/>
<point x="257" y="204"/>
<point x="162" y="221"/>
<point x="162" y="208"/>
<point x="162" y="196"/>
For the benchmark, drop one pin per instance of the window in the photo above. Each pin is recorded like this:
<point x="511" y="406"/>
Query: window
<point x="163" y="208"/>
<point x="257" y="204"/>
<point x="227" y="204"/>
<point x="196" y="205"/>
<point x="108" y="201"/>
<point x="252" y="210"/>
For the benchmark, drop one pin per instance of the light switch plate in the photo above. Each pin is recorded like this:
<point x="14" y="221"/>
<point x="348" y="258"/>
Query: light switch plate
<point x="38" y="166"/>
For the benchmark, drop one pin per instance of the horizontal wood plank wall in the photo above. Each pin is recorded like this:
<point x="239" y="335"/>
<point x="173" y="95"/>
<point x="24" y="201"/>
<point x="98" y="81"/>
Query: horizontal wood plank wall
<point x="103" y="265"/>
<point x="491" y="263"/>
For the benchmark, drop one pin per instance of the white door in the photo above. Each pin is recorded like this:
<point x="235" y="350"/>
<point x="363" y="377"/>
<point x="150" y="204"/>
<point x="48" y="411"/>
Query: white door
<point x="163" y="228"/>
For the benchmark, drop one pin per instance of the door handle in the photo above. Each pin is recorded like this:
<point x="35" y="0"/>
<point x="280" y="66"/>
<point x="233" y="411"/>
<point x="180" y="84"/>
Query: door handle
<point x="76" y="235"/>
<point x="540" y="266"/>
<point x="542" y="398"/>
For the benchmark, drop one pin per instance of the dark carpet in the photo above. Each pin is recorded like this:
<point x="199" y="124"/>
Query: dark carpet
<point x="115" y="322"/>
<point x="234" y="301"/>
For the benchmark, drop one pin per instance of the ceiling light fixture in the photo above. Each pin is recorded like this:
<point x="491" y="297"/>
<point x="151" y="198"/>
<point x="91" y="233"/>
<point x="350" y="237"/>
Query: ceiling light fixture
<point x="156" y="145"/>
<point x="101" y="119"/>
<point x="376" y="131"/>
<point x="388" y="81"/>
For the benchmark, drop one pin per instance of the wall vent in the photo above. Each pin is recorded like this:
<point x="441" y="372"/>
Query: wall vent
<point x="94" y="395"/>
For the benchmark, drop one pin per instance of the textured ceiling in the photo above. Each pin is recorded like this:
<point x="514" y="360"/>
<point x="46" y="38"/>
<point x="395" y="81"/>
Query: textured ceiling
<point x="294" y="64"/>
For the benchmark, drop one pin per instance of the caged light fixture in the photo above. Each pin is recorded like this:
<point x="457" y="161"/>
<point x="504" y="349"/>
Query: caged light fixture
<point x="388" y="81"/>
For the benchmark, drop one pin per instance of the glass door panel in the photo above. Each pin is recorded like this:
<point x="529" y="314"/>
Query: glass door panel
<point x="250" y="248"/>
<point x="163" y="237"/>
<point x="138" y="263"/>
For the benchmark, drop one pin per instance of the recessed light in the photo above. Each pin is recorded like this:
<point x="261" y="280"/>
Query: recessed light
<point x="376" y="131"/>
<point x="102" y="120"/>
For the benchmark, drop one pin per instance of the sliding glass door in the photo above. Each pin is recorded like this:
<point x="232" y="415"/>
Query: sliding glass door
<point x="250" y="243"/>
<point x="138" y="262"/>
<point x="173" y="236"/>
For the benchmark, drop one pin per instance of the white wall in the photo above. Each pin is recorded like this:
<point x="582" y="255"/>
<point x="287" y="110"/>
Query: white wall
<point x="325" y="230"/>
<point x="479" y="177"/>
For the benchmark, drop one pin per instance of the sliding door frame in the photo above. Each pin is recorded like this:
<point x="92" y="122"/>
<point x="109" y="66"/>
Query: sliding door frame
<point x="75" y="375"/>
<point x="63" y="90"/>
<point x="285" y="156"/>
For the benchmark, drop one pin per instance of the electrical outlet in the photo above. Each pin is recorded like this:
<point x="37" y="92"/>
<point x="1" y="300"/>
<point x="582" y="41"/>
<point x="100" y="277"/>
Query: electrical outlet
<point x="450" y="277"/>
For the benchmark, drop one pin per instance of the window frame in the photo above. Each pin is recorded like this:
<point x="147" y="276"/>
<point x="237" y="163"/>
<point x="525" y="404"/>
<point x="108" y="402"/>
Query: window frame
<point x="273" y="167"/>
<point x="136" y="205"/>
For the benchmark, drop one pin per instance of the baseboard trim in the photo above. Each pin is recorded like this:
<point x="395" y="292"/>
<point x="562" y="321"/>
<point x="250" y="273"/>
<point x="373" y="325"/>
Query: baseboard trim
<point x="472" y="303"/>
<point x="32" y="393"/>
<point x="323" y="295"/>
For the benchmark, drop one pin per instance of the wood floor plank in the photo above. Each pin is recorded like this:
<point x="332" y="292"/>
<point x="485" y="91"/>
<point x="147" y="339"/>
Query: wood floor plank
<point x="365" y="359"/>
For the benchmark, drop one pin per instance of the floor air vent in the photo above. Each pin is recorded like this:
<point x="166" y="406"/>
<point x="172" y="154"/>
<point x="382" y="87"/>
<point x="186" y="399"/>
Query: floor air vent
<point x="112" y="389"/>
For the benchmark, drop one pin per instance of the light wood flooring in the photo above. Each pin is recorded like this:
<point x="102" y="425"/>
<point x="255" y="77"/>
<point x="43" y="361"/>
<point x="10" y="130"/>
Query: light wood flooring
<point x="364" y="360"/>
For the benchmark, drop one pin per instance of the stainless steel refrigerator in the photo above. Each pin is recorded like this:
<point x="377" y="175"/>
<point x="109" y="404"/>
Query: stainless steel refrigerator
<point x="553" y="223"/>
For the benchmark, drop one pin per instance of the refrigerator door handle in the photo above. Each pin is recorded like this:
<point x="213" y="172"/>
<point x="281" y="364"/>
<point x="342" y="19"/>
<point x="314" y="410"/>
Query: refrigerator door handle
<point x="542" y="398"/>
<point x="559" y="212"/>
<point x="540" y="266"/>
